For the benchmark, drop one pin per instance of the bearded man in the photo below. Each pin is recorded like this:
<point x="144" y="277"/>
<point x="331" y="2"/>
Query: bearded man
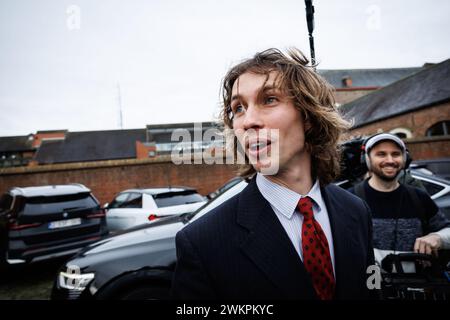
<point x="404" y="218"/>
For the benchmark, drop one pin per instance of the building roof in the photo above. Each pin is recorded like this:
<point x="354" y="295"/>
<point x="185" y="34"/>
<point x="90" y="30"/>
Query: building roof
<point x="367" y="77"/>
<point x="16" y="144"/>
<point x="91" y="146"/>
<point x="428" y="87"/>
<point x="183" y="125"/>
<point x="52" y="131"/>
<point x="163" y="133"/>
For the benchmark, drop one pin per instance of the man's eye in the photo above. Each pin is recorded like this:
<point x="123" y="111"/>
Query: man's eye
<point x="270" y="100"/>
<point x="238" y="109"/>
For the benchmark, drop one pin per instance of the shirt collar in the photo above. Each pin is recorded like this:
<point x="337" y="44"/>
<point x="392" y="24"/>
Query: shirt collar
<point x="285" y="200"/>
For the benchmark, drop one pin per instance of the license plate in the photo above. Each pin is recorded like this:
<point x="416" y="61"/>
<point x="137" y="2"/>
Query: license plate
<point x="64" y="223"/>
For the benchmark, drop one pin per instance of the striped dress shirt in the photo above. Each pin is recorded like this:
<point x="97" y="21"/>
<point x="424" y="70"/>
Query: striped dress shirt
<point x="284" y="204"/>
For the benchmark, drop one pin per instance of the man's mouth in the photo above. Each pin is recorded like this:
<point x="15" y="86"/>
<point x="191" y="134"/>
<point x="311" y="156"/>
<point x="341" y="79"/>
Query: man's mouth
<point x="257" y="149"/>
<point x="258" y="145"/>
<point x="390" y="168"/>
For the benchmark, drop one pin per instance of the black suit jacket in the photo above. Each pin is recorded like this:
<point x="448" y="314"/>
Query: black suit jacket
<point x="241" y="251"/>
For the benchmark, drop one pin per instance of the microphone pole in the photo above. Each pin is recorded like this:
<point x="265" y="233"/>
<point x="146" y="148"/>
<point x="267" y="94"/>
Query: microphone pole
<point x="310" y="22"/>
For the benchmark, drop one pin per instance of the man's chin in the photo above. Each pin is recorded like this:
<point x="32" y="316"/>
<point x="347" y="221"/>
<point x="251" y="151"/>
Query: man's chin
<point x="388" y="178"/>
<point x="266" y="167"/>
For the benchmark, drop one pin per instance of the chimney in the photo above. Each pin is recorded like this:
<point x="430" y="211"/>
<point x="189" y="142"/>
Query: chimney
<point x="347" y="82"/>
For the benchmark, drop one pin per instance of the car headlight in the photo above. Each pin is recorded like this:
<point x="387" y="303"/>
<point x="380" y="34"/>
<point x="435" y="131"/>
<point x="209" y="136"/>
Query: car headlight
<point x="73" y="279"/>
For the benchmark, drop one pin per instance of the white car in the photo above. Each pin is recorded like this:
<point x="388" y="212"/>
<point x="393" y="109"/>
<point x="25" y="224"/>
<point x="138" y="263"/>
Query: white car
<point x="138" y="206"/>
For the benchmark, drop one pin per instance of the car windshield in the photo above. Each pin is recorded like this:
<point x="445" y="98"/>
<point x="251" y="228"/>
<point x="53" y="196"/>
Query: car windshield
<point x="438" y="167"/>
<point x="177" y="198"/>
<point x="54" y="204"/>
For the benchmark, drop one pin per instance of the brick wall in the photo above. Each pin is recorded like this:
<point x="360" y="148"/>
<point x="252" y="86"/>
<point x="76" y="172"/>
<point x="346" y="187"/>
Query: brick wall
<point x="429" y="148"/>
<point x="418" y="121"/>
<point x="107" y="178"/>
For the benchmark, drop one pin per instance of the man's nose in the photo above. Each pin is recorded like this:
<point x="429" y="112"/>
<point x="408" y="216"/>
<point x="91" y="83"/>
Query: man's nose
<point x="252" y="118"/>
<point x="389" y="158"/>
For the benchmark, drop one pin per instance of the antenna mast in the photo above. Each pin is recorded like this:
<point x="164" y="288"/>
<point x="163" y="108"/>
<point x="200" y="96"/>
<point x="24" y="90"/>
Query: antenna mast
<point x="310" y="22"/>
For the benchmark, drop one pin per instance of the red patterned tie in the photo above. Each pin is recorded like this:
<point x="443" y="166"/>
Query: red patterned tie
<point x="316" y="254"/>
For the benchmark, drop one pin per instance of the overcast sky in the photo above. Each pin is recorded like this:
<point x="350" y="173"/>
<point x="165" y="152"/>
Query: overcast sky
<point x="61" y="61"/>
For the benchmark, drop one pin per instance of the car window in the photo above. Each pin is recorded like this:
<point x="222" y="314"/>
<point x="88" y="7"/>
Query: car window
<point x="119" y="200"/>
<point x="432" y="188"/>
<point x="176" y="199"/>
<point x="440" y="168"/>
<point x="444" y="204"/>
<point x="133" y="201"/>
<point x="5" y="202"/>
<point x="54" y="204"/>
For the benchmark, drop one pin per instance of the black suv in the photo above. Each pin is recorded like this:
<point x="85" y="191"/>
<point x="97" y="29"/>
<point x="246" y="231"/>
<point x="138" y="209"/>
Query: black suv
<point x="134" y="264"/>
<point x="45" y="222"/>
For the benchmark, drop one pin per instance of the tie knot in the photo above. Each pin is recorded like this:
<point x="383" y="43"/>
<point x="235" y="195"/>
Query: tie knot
<point x="305" y="206"/>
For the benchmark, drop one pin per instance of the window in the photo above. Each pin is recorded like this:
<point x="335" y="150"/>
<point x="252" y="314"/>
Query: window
<point x="5" y="202"/>
<point x="444" y="204"/>
<point x="127" y="200"/>
<point x="432" y="188"/>
<point x="439" y="129"/>
<point x="53" y="204"/>
<point x="164" y="147"/>
<point x="133" y="201"/>
<point x="177" y="198"/>
<point x="119" y="201"/>
<point x="402" y="133"/>
<point x="12" y="160"/>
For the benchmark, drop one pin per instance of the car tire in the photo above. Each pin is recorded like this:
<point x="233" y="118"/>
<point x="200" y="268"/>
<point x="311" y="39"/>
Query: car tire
<point x="146" y="292"/>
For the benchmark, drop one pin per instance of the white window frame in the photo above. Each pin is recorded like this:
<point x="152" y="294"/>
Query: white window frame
<point x="405" y="131"/>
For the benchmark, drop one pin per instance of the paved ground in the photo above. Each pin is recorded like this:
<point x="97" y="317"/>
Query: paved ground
<point x="33" y="282"/>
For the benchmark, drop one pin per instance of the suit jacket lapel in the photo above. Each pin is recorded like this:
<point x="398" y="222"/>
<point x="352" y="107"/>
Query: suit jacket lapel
<point x="341" y="222"/>
<point x="269" y="247"/>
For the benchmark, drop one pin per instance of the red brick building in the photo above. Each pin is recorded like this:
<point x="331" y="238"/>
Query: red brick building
<point x="416" y="108"/>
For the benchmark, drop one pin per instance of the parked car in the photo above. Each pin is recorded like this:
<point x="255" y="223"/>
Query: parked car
<point x="226" y="186"/>
<point x="438" y="188"/>
<point x="137" y="206"/>
<point x="135" y="264"/>
<point x="45" y="222"/>
<point x="439" y="167"/>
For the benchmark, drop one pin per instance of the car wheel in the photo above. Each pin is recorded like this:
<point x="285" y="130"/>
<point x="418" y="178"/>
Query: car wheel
<point x="146" y="292"/>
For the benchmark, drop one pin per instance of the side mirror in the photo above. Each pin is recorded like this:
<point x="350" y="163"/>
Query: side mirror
<point x="105" y="206"/>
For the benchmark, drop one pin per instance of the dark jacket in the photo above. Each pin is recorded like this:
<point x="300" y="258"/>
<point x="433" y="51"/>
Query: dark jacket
<point x="241" y="251"/>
